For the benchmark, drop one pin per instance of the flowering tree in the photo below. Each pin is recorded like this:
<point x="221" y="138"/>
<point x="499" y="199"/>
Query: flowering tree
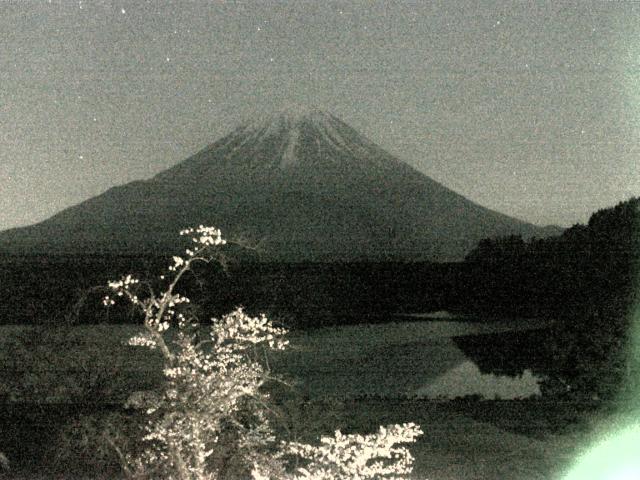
<point x="212" y="418"/>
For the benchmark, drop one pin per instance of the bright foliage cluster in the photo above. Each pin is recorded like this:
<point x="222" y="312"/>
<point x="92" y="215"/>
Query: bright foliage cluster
<point x="358" y="457"/>
<point x="211" y="420"/>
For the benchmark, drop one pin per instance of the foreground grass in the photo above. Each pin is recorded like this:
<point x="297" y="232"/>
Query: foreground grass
<point x="475" y="440"/>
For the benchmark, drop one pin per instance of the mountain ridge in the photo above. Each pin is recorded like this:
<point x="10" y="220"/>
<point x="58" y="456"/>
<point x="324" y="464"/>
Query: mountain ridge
<point x="306" y="184"/>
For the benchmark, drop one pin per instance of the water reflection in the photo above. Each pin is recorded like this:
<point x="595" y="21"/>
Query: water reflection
<point x="498" y="365"/>
<point x="467" y="379"/>
<point x="439" y="359"/>
<point x="506" y="353"/>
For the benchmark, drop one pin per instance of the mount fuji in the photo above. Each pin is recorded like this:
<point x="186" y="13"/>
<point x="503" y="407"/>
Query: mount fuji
<point x="303" y="184"/>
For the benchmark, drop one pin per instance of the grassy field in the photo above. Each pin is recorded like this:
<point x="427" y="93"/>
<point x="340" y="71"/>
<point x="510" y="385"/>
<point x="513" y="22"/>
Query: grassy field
<point x="354" y="378"/>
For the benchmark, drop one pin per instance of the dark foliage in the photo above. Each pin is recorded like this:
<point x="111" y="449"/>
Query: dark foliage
<point x="69" y="289"/>
<point x="583" y="279"/>
<point x="65" y="440"/>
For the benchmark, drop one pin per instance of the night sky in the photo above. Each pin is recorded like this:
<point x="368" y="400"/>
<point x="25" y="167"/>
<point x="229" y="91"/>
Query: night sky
<point x="531" y="108"/>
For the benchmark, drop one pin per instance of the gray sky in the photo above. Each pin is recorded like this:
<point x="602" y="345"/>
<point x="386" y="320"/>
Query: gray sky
<point x="530" y="108"/>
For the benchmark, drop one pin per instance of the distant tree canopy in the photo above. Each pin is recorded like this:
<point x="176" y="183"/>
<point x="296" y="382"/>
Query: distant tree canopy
<point x="611" y="239"/>
<point x="498" y="250"/>
<point x="599" y="259"/>
<point x="586" y="279"/>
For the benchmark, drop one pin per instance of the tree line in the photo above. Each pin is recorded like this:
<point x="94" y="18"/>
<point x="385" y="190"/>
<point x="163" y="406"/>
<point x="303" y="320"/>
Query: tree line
<point x="585" y="279"/>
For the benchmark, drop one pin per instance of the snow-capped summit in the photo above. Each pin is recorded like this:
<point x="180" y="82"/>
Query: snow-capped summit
<point x="291" y="123"/>
<point x="292" y="112"/>
<point x="301" y="181"/>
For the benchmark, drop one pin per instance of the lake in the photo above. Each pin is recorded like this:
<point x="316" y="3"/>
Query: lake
<point x="437" y="359"/>
<point x="430" y="358"/>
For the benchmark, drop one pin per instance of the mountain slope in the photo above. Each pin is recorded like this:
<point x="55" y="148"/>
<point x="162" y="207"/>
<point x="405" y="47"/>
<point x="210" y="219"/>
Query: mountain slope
<point x="307" y="186"/>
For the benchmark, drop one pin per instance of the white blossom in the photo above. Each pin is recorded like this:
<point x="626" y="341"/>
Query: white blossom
<point x="374" y="456"/>
<point x="108" y="301"/>
<point x="213" y="394"/>
<point x="142" y="340"/>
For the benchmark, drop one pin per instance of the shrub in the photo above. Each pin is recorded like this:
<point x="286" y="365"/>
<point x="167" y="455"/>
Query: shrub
<point x="40" y="353"/>
<point x="213" y="418"/>
<point x="93" y="442"/>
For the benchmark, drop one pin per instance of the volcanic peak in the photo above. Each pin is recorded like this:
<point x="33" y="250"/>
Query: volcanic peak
<point x="308" y="184"/>
<point x="289" y="125"/>
<point x="288" y="118"/>
<point x="294" y="113"/>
